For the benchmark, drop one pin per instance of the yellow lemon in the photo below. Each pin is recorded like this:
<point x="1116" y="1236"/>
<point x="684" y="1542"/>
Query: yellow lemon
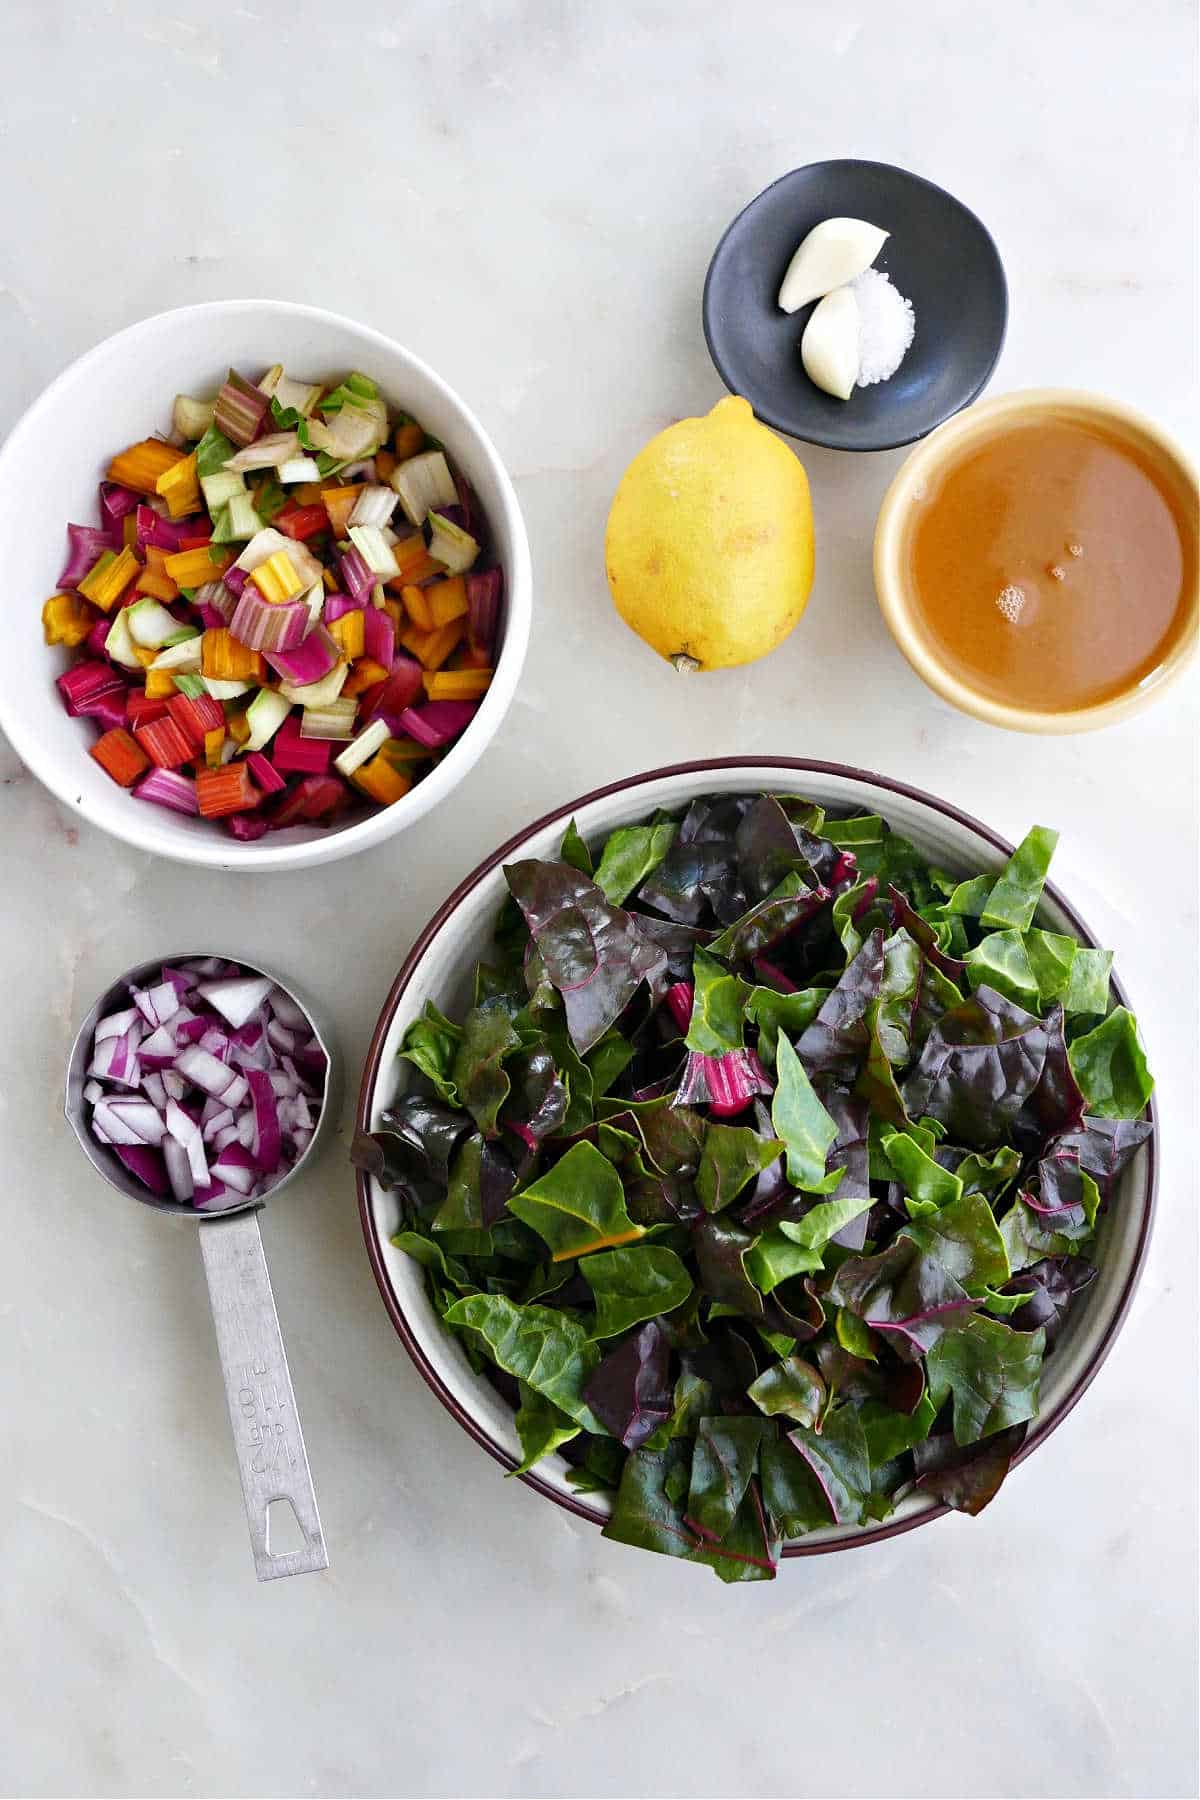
<point x="709" y="547"/>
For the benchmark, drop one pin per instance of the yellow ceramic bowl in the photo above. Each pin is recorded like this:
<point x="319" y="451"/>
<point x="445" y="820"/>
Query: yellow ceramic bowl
<point x="946" y="445"/>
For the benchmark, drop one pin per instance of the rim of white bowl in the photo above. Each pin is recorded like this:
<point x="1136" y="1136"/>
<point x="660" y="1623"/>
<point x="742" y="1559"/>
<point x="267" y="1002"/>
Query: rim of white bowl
<point x="143" y="831"/>
<point x="854" y="1536"/>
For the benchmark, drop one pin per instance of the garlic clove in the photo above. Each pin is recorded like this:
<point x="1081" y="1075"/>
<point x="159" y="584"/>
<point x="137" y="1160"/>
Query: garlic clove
<point x="829" y="347"/>
<point x="832" y="254"/>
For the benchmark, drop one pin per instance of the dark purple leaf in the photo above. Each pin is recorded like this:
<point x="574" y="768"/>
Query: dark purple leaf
<point x="1104" y="1146"/>
<point x="1057" y="1103"/>
<point x="980" y="1064"/>
<point x="727" y="1363"/>
<point x="1051" y="1284"/>
<point x="766" y="846"/>
<point x="966" y="1477"/>
<point x="905" y="1293"/>
<point x="594" y="953"/>
<point x="900" y="1385"/>
<point x="629" y="1391"/>
<point x="903" y="915"/>
<point x="851" y="1114"/>
<point x="414" y="1144"/>
<point x="539" y="1097"/>
<point x="789" y="906"/>
<point x="835" y="1044"/>
<point x="679" y="942"/>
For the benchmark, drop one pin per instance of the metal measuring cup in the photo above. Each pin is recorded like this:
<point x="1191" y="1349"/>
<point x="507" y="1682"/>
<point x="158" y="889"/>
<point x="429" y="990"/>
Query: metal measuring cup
<point x="267" y="1438"/>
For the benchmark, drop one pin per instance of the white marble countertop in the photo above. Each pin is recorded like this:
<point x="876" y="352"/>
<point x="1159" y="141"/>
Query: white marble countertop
<point x="527" y="195"/>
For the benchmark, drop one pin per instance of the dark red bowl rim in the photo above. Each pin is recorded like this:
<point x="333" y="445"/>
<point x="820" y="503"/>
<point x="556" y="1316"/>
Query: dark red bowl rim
<point x="803" y="765"/>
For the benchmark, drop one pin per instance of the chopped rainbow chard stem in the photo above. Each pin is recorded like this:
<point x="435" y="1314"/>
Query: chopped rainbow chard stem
<point x="296" y="559"/>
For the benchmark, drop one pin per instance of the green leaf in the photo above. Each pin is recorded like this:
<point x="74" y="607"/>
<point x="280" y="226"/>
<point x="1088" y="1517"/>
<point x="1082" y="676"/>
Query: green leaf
<point x="431" y="1255"/>
<point x="1087" y="990"/>
<point x="717" y="1009"/>
<point x="823" y="1221"/>
<point x="854" y="1335"/>
<point x="212" y="452"/>
<point x="487" y="1038"/>
<point x="966" y="1240"/>
<point x="546" y="1349"/>
<point x="772" y="1013"/>
<point x="837" y="1457"/>
<point x="1109" y="1065"/>
<point x="462" y="1209"/>
<point x="578" y="1206"/>
<point x="573" y="850"/>
<point x="903" y="970"/>
<point x="693" y="1401"/>
<point x="889" y="1434"/>
<point x="1003" y="1304"/>
<point x="431" y="1045"/>
<point x="989" y="1174"/>
<point x="1051" y="958"/>
<point x="917" y="1171"/>
<point x="578" y="1078"/>
<point x="970" y="897"/>
<point x="600" y="1471"/>
<point x="876" y="1081"/>
<point x="802" y="1122"/>
<point x="859" y="835"/>
<point x="541" y="1427"/>
<point x="1018" y="887"/>
<point x="791" y="1492"/>
<point x="632" y="1285"/>
<point x="629" y="855"/>
<point x="645" y="1514"/>
<point x="723" y="1462"/>
<point x="791" y="1388"/>
<point x="775" y="1258"/>
<point x="607" y="1059"/>
<point x="852" y="934"/>
<point x="749" y="1550"/>
<point x="732" y="1156"/>
<point x="1002" y="961"/>
<point x="1026" y="1240"/>
<point x="993" y="1373"/>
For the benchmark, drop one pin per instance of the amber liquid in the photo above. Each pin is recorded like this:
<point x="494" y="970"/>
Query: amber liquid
<point x="1049" y="567"/>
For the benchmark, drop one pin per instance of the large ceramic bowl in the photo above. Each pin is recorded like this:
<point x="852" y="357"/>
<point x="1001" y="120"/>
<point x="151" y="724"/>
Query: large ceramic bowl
<point x="439" y="968"/>
<point x="122" y="391"/>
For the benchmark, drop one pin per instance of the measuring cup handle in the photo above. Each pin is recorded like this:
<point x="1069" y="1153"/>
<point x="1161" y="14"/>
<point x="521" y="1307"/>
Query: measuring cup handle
<point x="262" y="1407"/>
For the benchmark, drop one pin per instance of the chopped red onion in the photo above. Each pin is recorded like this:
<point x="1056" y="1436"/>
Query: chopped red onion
<point x="179" y="1169"/>
<point x="207" y="1086"/>
<point x="236" y="999"/>
<point x="157" y="1004"/>
<point x="213" y="1076"/>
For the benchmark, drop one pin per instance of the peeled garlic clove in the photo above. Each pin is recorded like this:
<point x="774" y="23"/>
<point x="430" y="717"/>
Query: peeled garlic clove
<point x="832" y="254"/>
<point x="829" y="347"/>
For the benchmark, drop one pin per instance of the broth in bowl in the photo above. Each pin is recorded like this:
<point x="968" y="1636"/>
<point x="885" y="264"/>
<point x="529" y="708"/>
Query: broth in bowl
<point x="1049" y="566"/>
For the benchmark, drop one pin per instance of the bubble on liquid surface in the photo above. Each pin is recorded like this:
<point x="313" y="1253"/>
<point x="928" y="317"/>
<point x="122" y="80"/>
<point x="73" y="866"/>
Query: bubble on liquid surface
<point x="1056" y="572"/>
<point x="1074" y="549"/>
<point x="1011" y="601"/>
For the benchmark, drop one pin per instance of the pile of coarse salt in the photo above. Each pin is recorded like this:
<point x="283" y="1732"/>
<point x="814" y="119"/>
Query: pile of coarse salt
<point x="886" y="326"/>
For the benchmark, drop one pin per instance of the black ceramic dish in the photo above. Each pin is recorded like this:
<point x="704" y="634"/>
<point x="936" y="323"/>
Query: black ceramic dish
<point x="939" y="256"/>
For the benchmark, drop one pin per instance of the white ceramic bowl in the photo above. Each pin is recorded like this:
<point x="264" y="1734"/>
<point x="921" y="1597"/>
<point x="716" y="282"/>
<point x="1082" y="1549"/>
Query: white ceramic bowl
<point x="439" y="968"/>
<point x="121" y="391"/>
